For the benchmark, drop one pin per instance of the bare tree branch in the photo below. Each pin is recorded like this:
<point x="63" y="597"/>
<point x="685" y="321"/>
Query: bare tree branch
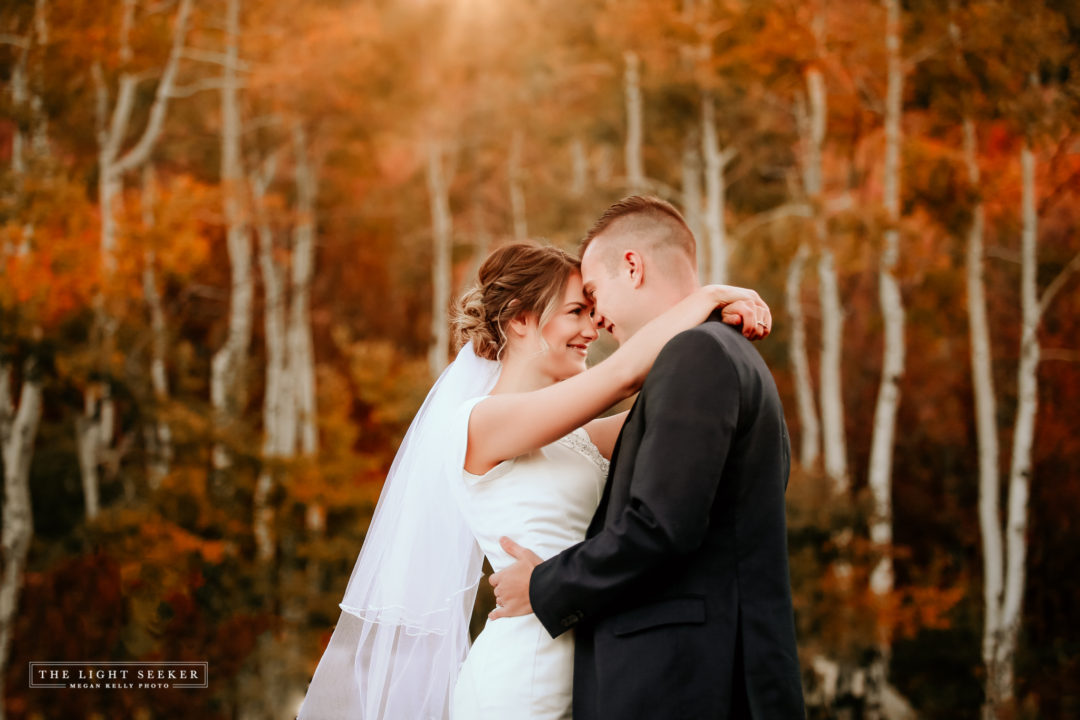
<point x="101" y="93"/>
<point x="214" y="58"/>
<point x="160" y="7"/>
<point x="795" y="209"/>
<point x="264" y="175"/>
<point x="1048" y="200"/>
<point x="271" y="120"/>
<point x="656" y="187"/>
<point x="873" y="100"/>
<point x="927" y="51"/>
<point x="1003" y="253"/>
<point x="16" y="40"/>
<point x="1061" y="354"/>
<point x="138" y="154"/>
<point x="662" y="189"/>
<point x="185" y="91"/>
<point x="125" y="100"/>
<point x="1057" y="283"/>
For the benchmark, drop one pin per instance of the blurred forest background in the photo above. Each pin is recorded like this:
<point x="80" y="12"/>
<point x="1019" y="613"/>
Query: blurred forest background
<point x="230" y="231"/>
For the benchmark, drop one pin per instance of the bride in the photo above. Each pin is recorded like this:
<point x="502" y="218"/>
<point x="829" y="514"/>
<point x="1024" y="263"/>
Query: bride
<point x="505" y="444"/>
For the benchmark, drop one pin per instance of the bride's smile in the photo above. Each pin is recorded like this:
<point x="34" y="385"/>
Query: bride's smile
<point x="568" y="333"/>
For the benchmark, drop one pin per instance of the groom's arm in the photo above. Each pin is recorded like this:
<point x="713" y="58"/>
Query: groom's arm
<point x="691" y="411"/>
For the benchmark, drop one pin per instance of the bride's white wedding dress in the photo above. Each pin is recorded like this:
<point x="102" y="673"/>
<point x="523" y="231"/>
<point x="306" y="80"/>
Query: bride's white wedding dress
<point x="544" y="501"/>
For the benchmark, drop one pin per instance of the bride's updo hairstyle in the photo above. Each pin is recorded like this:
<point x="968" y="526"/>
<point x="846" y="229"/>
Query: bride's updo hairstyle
<point x="514" y="279"/>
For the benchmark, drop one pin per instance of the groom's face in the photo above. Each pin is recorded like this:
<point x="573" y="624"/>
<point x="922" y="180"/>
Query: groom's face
<point x="609" y="290"/>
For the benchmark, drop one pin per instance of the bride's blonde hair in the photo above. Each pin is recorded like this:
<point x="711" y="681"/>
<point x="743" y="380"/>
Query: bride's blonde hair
<point x="514" y="279"/>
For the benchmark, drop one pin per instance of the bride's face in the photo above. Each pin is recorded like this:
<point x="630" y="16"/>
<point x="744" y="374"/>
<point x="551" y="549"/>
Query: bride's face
<point x="568" y="333"/>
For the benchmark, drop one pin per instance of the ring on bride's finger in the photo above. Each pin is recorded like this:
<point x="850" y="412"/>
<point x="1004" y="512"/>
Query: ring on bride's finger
<point x="762" y="324"/>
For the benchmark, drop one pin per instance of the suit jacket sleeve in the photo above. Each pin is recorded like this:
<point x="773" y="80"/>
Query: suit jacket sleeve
<point x="691" y="401"/>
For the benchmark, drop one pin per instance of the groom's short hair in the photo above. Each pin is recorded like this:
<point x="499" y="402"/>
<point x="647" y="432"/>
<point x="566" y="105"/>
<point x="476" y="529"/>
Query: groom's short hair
<point x="650" y="217"/>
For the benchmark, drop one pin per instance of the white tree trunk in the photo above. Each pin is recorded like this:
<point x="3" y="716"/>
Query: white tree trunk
<point x="810" y="430"/>
<point x="482" y="242"/>
<point x="228" y="366"/>
<point x="1001" y="671"/>
<point x="833" y="429"/>
<point x="833" y="433"/>
<point x="635" y="133"/>
<point x="892" y="308"/>
<point x="579" y="166"/>
<point x="441" y="237"/>
<point x="23" y="100"/>
<point x="892" y="366"/>
<point x="20" y="98"/>
<point x="94" y="429"/>
<point x="301" y="344"/>
<point x="715" y="191"/>
<point x="691" y="199"/>
<point x="18" y="430"/>
<point x="517" y="191"/>
<point x="302" y="358"/>
<point x="20" y="94"/>
<point x="91" y="439"/>
<point x="814" y="140"/>
<point x="1004" y="589"/>
<point x="315" y="523"/>
<point x="158" y="432"/>
<point x="813" y="126"/>
<point x="39" y="138"/>
<point x="985" y="416"/>
<point x="279" y="410"/>
<point x="605" y="165"/>
<point x="40" y="133"/>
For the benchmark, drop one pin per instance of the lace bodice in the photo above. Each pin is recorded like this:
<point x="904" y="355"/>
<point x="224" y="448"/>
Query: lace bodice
<point x="579" y="440"/>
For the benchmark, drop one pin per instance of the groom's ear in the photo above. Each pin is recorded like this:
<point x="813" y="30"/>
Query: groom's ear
<point x="634" y="264"/>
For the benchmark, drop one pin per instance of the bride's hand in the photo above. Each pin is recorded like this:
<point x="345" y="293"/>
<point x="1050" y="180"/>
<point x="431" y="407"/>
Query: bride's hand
<point x="742" y="306"/>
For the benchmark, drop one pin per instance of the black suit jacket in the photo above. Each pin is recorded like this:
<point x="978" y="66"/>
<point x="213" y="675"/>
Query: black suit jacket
<point x="680" y="595"/>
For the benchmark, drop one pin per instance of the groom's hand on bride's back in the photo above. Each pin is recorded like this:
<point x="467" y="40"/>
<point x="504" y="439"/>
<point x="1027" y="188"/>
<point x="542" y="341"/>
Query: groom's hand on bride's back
<point x="512" y="583"/>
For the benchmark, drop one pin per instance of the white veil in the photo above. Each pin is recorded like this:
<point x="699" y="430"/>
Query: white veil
<point x="404" y="629"/>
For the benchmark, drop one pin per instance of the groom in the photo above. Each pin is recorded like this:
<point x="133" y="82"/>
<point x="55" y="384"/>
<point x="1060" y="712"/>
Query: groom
<point x="679" y="596"/>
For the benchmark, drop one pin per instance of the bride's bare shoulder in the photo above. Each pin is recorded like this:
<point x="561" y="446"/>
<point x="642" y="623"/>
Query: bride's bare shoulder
<point x="605" y="431"/>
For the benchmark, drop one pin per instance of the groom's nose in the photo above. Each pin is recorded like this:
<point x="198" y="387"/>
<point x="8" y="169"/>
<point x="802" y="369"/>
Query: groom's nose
<point x="591" y="331"/>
